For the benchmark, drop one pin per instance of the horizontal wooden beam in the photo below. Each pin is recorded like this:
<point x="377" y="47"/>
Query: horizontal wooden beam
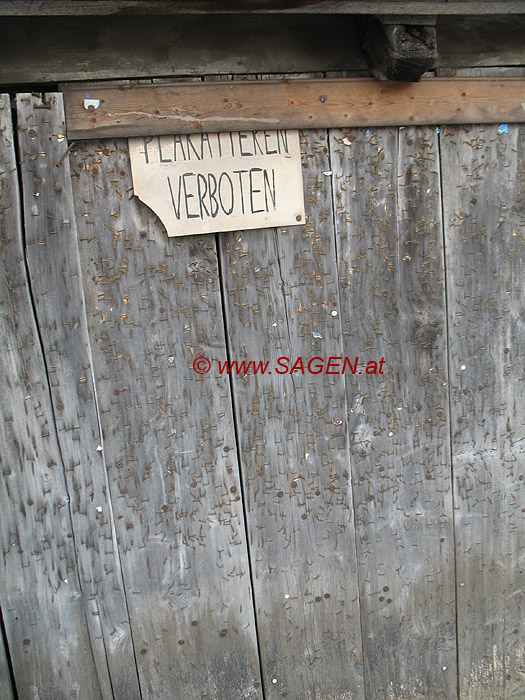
<point x="66" y="49"/>
<point x="135" y="110"/>
<point x="168" y="7"/>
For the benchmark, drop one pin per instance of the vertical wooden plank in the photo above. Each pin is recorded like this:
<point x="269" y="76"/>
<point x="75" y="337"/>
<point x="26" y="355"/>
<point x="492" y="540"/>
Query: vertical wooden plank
<point x="56" y="283"/>
<point x="6" y="687"/>
<point x="153" y="306"/>
<point x="40" y="594"/>
<point x="281" y="298"/>
<point x="484" y="211"/>
<point x="389" y="240"/>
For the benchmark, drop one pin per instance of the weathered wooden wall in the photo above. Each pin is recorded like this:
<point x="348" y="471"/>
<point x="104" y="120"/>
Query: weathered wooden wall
<point x="390" y="255"/>
<point x="280" y="291"/>
<point x="484" y="215"/>
<point x="44" y="607"/>
<point x="320" y="537"/>
<point x="52" y="49"/>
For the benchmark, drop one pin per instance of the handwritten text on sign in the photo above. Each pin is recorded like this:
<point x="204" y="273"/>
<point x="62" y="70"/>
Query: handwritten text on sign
<point x="202" y="183"/>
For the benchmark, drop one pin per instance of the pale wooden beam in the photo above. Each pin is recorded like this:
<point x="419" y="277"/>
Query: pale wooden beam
<point x="134" y="110"/>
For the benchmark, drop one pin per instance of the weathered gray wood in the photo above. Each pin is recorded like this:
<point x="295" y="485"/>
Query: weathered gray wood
<point x="481" y="41"/>
<point x="41" y="598"/>
<point x="153" y="305"/>
<point x="281" y="298"/>
<point x="484" y="211"/>
<point x="88" y="48"/>
<point x="56" y="284"/>
<point x="45" y="49"/>
<point x="491" y="72"/>
<point x="390" y="259"/>
<point x="107" y="7"/>
<point x="6" y="687"/>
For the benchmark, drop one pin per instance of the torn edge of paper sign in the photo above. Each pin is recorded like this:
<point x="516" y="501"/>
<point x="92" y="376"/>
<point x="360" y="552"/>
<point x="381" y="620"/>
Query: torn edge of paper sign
<point x="227" y="181"/>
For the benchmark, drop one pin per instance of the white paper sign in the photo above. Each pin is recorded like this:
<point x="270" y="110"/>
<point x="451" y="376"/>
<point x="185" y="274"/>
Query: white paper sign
<point x="203" y="183"/>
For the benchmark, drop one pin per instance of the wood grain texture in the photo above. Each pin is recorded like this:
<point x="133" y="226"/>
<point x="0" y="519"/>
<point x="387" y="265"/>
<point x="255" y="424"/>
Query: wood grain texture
<point x="484" y="211"/>
<point x="53" y="49"/>
<point x="465" y="42"/>
<point x="153" y="305"/>
<point x="281" y="299"/>
<point x="6" y="687"/>
<point x="509" y="71"/>
<point x="145" y="7"/>
<point x="290" y="104"/>
<point x="56" y="284"/>
<point x="390" y="260"/>
<point x="398" y="51"/>
<point x="346" y="482"/>
<point x="47" y="49"/>
<point x="41" y="597"/>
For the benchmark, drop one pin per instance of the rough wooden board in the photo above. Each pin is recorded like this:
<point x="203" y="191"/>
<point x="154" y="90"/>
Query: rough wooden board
<point x="6" y="687"/>
<point x="494" y="71"/>
<point x="484" y="216"/>
<point x="41" y="598"/>
<point x="107" y="7"/>
<point x="280" y="289"/>
<point x="390" y="258"/>
<point x="481" y="41"/>
<point x="47" y="49"/>
<point x="194" y="108"/>
<point x="68" y="48"/>
<point x="56" y="284"/>
<point x="153" y="305"/>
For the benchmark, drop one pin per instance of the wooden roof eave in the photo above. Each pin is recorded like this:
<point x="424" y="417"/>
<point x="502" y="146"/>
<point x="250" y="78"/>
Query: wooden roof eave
<point x="188" y="7"/>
